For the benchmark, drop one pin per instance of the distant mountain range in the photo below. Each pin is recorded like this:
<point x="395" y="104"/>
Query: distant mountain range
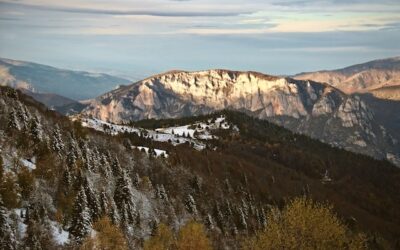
<point x="315" y="109"/>
<point x="380" y="78"/>
<point x="354" y="108"/>
<point x="38" y="78"/>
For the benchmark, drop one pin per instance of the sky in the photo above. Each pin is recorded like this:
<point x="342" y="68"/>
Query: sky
<point x="138" y="38"/>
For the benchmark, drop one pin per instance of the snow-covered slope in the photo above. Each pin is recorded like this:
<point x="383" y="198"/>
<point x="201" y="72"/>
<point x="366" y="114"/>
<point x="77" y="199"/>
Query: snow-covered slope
<point x="194" y="134"/>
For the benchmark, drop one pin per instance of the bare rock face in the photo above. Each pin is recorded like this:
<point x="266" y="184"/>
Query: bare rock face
<point x="174" y="93"/>
<point x="307" y="107"/>
<point x="353" y="111"/>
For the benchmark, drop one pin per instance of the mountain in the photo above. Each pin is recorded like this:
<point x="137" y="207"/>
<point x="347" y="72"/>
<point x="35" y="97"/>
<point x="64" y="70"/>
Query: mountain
<point x="387" y="93"/>
<point x="57" y="178"/>
<point x="49" y="99"/>
<point x="37" y="78"/>
<point x="315" y="109"/>
<point x="379" y="77"/>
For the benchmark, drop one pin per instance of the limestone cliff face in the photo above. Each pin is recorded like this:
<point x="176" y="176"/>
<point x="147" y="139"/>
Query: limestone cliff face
<point x="175" y="93"/>
<point x="312" y="108"/>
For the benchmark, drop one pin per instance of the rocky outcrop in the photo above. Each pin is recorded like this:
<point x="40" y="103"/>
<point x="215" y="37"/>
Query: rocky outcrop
<point x="308" y="107"/>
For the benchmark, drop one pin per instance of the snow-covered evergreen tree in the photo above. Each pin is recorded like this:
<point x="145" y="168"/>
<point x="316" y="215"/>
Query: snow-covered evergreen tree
<point x="123" y="198"/>
<point x="242" y="219"/>
<point x="220" y="219"/>
<point x="35" y="129"/>
<point x="113" y="213"/>
<point x="136" y="181"/>
<point x="92" y="200"/>
<point x="209" y="222"/>
<point x="81" y="220"/>
<point x="13" y="122"/>
<point x="72" y="154"/>
<point x="245" y="208"/>
<point x="104" y="166"/>
<point x="104" y="204"/>
<point x="116" y="167"/>
<point x="22" y="115"/>
<point x="161" y="193"/>
<point x="190" y="205"/>
<point x="57" y="142"/>
<point x="38" y="232"/>
<point x="7" y="236"/>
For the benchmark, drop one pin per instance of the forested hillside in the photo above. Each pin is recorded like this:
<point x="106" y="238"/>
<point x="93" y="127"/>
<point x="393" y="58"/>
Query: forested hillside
<point x="66" y="186"/>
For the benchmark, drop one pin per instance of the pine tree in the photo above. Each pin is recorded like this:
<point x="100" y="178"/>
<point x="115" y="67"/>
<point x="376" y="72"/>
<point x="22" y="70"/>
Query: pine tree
<point x="245" y="208"/>
<point x="7" y="237"/>
<point x="190" y="205"/>
<point x="81" y="222"/>
<point x="113" y="213"/>
<point x="104" y="204"/>
<point x="228" y="210"/>
<point x="13" y="121"/>
<point x="35" y="129"/>
<point x="136" y="181"/>
<point x="57" y="142"/>
<point x="161" y="193"/>
<point x="67" y="178"/>
<point x="92" y="200"/>
<point x="38" y="233"/>
<point x="72" y="154"/>
<point x="105" y="167"/>
<point x="196" y="184"/>
<point x="123" y="198"/>
<point x="227" y="186"/>
<point x="154" y="227"/>
<point x="220" y="219"/>
<point x="263" y="219"/>
<point x="22" y="115"/>
<point x="242" y="219"/>
<point x="209" y="222"/>
<point x="116" y="167"/>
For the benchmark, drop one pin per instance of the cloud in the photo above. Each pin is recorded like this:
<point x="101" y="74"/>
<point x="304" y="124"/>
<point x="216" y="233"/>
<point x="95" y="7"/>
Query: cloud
<point x="115" y="12"/>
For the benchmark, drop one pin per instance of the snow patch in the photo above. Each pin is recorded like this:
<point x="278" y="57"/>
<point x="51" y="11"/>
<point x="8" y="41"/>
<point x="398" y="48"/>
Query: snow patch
<point x="29" y="163"/>
<point x="193" y="134"/>
<point x="158" y="152"/>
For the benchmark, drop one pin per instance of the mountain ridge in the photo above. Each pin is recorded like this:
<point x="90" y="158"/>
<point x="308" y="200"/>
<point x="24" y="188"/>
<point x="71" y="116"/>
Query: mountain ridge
<point x="315" y="109"/>
<point x="360" y="78"/>
<point x="40" y="78"/>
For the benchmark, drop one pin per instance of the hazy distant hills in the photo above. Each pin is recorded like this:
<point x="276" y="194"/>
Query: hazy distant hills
<point x="380" y="78"/>
<point x="315" y="109"/>
<point x="37" y="78"/>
